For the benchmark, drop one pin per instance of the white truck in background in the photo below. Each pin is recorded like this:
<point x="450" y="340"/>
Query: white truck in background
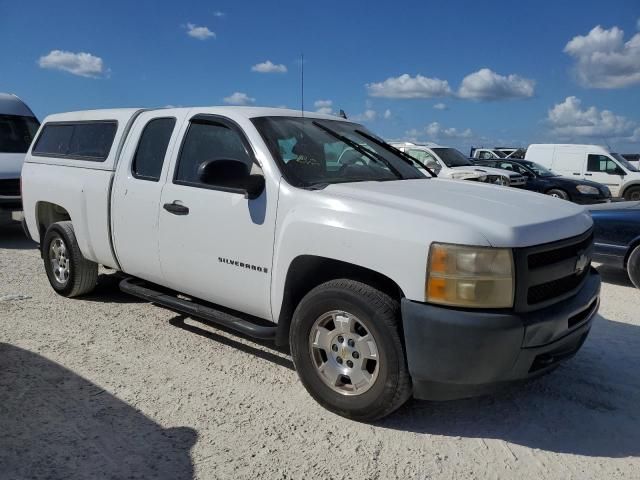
<point x="18" y="125"/>
<point x="590" y="162"/>
<point x="384" y="282"/>
<point x="450" y="163"/>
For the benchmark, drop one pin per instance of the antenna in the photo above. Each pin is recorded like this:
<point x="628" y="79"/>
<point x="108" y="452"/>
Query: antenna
<point x="302" y="84"/>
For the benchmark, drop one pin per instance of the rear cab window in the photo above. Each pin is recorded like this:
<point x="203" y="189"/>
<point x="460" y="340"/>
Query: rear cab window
<point x="90" y="140"/>
<point x="152" y="148"/>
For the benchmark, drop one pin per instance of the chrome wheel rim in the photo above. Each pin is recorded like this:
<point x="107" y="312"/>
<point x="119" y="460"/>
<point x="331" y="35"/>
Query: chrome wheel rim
<point x="344" y="353"/>
<point x="59" y="258"/>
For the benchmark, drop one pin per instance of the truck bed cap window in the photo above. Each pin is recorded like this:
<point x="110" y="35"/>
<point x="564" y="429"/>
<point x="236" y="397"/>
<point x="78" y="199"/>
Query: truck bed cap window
<point x="90" y="140"/>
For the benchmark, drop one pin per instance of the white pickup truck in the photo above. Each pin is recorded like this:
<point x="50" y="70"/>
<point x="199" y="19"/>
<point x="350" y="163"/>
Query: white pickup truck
<point x="384" y="282"/>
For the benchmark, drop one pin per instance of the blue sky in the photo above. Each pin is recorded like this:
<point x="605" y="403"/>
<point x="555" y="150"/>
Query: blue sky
<point x="501" y="72"/>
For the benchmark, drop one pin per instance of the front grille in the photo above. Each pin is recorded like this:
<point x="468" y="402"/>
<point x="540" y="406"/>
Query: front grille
<point x="10" y="187"/>
<point x="550" y="257"/>
<point x="549" y="273"/>
<point x="545" y="291"/>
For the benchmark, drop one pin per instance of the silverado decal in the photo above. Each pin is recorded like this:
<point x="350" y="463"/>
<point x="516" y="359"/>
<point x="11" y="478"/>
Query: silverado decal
<point x="248" y="266"/>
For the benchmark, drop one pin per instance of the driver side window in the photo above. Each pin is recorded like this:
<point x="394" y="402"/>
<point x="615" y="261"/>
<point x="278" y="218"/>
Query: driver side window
<point x="601" y="163"/>
<point x="207" y="141"/>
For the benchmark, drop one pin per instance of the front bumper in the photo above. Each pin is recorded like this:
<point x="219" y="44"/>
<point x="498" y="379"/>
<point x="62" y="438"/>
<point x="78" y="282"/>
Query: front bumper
<point x="456" y="353"/>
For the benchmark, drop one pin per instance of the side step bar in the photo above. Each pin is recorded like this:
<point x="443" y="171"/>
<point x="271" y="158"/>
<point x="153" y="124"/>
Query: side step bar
<point x="145" y="291"/>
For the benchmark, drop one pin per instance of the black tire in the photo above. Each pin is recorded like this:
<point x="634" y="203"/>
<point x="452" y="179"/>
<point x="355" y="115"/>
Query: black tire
<point x="82" y="273"/>
<point x="558" y="193"/>
<point x="632" y="194"/>
<point x="633" y="266"/>
<point x="380" y="314"/>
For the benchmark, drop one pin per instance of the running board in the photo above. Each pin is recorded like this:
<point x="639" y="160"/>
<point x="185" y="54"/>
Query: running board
<point x="145" y="291"/>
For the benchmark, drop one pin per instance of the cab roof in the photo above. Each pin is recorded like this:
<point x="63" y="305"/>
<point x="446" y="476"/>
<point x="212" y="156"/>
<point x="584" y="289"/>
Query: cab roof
<point x="230" y="111"/>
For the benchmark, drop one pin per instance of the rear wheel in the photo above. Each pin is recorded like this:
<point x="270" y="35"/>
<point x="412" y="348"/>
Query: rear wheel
<point x="346" y="346"/>
<point x="69" y="273"/>
<point x="633" y="266"/>
<point x="632" y="194"/>
<point x="556" y="192"/>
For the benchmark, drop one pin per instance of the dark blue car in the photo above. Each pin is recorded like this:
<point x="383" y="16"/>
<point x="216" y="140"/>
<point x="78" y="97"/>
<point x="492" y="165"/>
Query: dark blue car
<point x="539" y="179"/>
<point x="617" y="236"/>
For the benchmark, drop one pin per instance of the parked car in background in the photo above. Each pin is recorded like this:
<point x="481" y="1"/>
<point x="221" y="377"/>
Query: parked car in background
<point x="633" y="159"/>
<point x="18" y="125"/>
<point x="540" y="179"/>
<point x="384" y="282"/>
<point x="589" y="162"/>
<point x="617" y="236"/>
<point x="497" y="152"/>
<point x="448" y="162"/>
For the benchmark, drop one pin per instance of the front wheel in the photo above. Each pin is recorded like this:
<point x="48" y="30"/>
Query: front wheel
<point x="347" y="348"/>
<point x="69" y="273"/>
<point x="556" y="192"/>
<point x="633" y="266"/>
<point x="632" y="194"/>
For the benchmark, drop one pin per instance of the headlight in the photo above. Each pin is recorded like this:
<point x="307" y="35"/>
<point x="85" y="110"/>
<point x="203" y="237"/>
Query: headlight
<point x="474" y="277"/>
<point x="587" y="189"/>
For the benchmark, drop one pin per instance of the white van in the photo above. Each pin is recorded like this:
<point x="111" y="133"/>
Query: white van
<point x="18" y="125"/>
<point x="589" y="162"/>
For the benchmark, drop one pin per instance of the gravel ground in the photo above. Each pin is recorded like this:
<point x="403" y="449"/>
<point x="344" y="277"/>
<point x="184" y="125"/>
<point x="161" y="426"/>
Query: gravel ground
<point x="110" y="387"/>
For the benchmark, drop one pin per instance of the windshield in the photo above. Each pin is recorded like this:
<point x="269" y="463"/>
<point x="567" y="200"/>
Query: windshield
<point x="452" y="157"/>
<point x="16" y="133"/>
<point x="624" y="162"/>
<point x="313" y="152"/>
<point x="538" y="169"/>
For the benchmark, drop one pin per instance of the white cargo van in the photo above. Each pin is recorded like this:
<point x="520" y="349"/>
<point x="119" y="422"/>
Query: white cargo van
<point x="18" y="125"/>
<point x="589" y="162"/>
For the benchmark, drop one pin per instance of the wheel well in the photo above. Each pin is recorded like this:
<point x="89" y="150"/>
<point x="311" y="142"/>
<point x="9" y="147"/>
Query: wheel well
<point x="307" y="272"/>
<point x="47" y="214"/>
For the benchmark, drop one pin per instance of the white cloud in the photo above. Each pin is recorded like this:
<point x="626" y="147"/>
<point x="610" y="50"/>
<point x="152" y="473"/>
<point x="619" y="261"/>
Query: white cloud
<point x="82" y="64"/>
<point x="406" y="86"/>
<point x="369" y="115"/>
<point x="324" y="106"/>
<point x="435" y="130"/>
<point x="269" y="67"/>
<point x="201" y="33"/>
<point x="218" y="14"/>
<point x="486" y="84"/>
<point x="569" y="120"/>
<point x="387" y="114"/>
<point x="440" y="106"/>
<point x="239" y="98"/>
<point x="604" y="59"/>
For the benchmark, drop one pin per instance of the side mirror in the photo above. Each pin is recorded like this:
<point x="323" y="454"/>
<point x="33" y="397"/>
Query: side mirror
<point x="231" y="174"/>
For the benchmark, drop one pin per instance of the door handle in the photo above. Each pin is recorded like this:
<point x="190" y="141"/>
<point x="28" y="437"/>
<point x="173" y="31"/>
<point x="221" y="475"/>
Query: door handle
<point x="589" y="174"/>
<point x="176" y="208"/>
<point x="578" y="173"/>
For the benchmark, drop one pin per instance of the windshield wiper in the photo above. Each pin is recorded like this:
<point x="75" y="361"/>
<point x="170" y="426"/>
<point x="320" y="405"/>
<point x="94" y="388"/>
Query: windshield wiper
<point x="370" y="155"/>
<point x="405" y="156"/>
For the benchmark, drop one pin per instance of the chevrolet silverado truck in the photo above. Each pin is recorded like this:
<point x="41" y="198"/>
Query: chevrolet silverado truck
<point x="384" y="281"/>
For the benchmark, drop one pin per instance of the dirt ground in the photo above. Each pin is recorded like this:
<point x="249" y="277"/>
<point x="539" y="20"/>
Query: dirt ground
<point x="110" y="387"/>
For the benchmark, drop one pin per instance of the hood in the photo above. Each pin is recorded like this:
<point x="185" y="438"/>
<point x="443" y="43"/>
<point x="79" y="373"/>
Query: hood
<point x="506" y="217"/>
<point x="11" y="165"/>
<point x="615" y="206"/>
<point x="489" y="170"/>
